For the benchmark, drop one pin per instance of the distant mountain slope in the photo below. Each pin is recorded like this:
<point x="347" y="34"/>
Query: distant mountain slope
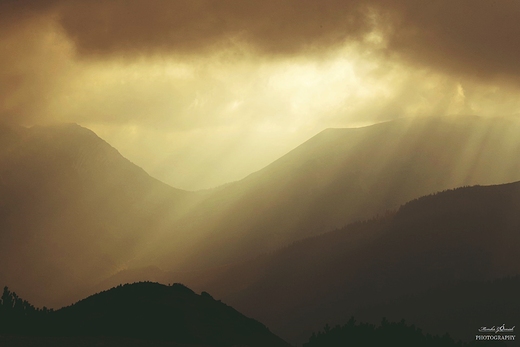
<point x="466" y="234"/>
<point x="146" y="311"/>
<point x="343" y="175"/>
<point x="73" y="210"/>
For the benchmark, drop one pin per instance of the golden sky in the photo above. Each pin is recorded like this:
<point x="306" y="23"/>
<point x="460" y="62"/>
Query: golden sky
<point x="203" y="92"/>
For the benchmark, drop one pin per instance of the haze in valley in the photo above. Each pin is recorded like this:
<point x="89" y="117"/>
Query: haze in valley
<point x="201" y="93"/>
<point x="286" y="156"/>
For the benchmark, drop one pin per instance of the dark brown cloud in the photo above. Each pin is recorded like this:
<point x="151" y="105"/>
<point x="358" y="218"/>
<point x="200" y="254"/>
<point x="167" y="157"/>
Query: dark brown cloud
<point x="474" y="37"/>
<point x="29" y="66"/>
<point x="15" y="14"/>
<point x="477" y="38"/>
<point x="270" y="26"/>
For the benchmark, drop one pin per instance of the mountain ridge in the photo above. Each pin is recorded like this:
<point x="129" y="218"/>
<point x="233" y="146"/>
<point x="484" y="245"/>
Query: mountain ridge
<point x="343" y="175"/>
<point x="464" y="234"/>
<point x="143" y="311"/>
<point x="66" y="193"/>
<point x="118" y="217"/>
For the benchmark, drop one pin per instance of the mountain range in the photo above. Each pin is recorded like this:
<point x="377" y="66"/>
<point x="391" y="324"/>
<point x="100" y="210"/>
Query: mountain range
<point x="341" y="224"/>
<point x="343" y="175"/>
<point x="437" y="241"/>
<point x="450" y="242"/>
<point x="73" y="210"/>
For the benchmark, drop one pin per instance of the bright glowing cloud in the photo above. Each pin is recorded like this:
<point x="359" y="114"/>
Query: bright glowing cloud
<point x="229" y="97"/>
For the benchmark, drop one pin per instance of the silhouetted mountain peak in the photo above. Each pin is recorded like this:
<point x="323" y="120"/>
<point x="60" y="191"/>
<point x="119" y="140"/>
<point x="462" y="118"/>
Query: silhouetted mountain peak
<point x="65" y="130"/>
<point x="144" y="311"/>
<point x="75" y="142"/>
<point x="154" y="311"/>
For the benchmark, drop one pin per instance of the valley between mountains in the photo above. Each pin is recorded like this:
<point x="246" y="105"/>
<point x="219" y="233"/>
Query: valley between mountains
<point x="379" y="221"/>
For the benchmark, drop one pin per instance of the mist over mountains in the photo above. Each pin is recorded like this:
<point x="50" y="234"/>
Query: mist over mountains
<point x="343" y="175"/>
<point x="67" y="194"/>
<point x="358" y="164"/>
<point x="437" y="241"/>
<point x="73" y="210"/>
<point x="291" y="244"/>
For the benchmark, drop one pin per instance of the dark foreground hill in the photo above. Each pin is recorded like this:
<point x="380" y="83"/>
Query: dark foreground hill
<point x="393" y="334"/>
<point x="466" y="234"/>
<point x="461" y="309"/>
<point x="139" y="312"/>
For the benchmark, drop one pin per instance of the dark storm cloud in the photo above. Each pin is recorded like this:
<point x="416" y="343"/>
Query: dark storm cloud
<point x="16" y="13"/>
<point x="464" y="38"/>
<point x="271" y="26"/>
<point x="478" y="37"/>
<point x="28" y="66"/>
<point x="475" y="37"/>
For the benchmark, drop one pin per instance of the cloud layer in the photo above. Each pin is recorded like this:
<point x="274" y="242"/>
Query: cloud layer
<point x="465" y="36"/>
<point x="241" y="74"/>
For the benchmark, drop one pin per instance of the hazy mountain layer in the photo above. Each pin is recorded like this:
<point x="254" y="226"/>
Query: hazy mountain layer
<point x="467" y="234"/>
<point x="343" y="175"/>
<point x="73" y="210"/>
